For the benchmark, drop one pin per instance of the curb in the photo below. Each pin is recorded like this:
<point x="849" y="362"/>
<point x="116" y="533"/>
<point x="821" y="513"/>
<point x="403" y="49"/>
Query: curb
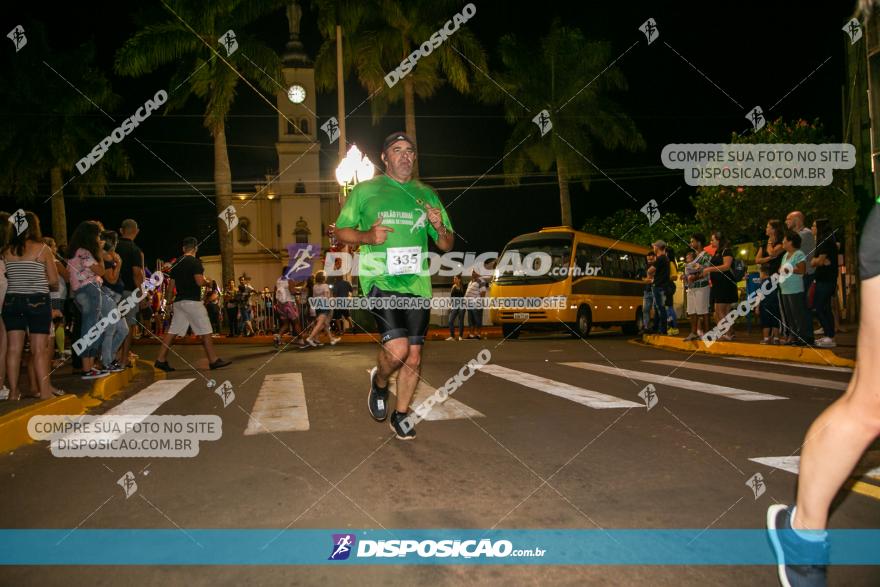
<point x="13" y="426"/>
<point x="756" y="351"/>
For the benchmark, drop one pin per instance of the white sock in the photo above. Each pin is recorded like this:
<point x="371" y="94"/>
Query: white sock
<point x="808" y="535"/>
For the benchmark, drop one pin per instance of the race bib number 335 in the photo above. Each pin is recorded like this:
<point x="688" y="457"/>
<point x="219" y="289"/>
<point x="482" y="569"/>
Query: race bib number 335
<point x="404" y="260"/>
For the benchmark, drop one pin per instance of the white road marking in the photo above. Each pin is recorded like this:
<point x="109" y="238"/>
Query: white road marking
<point x="451" y="409"/>
<point x="148" y="400"/>
<point x="869" y="466"/>
<point x="280" y="406"/>
<point x="591" y="399"/>
<point x="722" y="390"/>
<point x="763" y="375"/>
<point x="790" y="364"/>
<point x="135" y="409"/>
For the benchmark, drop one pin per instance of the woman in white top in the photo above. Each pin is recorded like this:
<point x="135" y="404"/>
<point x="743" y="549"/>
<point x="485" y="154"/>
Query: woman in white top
<point x="30" y="273"/>
<point x="322" y="322"/>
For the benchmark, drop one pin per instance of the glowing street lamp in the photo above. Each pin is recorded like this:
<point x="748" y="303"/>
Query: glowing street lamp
<point x="356" y="167"/>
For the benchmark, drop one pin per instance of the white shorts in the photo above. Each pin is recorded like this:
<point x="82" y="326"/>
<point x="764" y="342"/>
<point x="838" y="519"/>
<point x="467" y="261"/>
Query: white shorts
<point x="698" y="300"/>
<point x="189" y="313"/>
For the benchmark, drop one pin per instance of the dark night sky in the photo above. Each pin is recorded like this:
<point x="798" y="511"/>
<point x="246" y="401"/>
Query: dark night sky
<point x="756" y="52"/>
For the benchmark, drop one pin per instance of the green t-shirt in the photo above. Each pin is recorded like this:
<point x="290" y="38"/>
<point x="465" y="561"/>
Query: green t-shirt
<point x="393" y="266"/>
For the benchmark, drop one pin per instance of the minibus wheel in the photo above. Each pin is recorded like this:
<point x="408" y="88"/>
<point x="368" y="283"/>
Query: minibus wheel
<point x="584" y="322"/>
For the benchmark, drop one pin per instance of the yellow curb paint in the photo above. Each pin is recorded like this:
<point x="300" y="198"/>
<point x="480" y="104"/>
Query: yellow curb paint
<point x="13" y="426"/>
<point x="757" y="351"/>
<point x="866" y="489"/>
<point x="107" y="387"/>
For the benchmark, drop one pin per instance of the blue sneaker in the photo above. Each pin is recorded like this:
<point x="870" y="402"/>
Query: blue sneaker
<point x="789" y="546"/>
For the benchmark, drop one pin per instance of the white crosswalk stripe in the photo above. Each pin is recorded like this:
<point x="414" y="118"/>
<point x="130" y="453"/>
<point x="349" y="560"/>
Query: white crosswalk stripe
<point x="586" y="397"/>
<point x="135" y="409"/>
<point x="148" y="400"/>
<point x="722" y="390"/>
<point x="869" y="466"/>
<point x="762" y="374"/>
<point x="793" y="365"/>
<point x="280" y="406"/>
<point x="451" y="409"/>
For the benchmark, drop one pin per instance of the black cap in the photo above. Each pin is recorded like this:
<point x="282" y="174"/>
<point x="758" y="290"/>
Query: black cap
<point x="397" y="136"/>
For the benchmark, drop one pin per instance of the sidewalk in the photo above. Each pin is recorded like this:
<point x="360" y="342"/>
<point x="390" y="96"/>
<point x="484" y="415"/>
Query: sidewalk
<point x="81" y="396"/>
<point x="748" y="344"/>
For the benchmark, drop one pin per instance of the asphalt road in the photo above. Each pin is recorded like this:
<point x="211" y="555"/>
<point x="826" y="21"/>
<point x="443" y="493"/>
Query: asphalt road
<point x="533" y="441"/>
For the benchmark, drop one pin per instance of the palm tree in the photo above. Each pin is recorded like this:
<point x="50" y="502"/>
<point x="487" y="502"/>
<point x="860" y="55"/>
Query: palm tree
<point x="391" y="30"/>
<point x="186" y="35"/>
<point x="49" y="125"/>
<point x="566" y="75"/>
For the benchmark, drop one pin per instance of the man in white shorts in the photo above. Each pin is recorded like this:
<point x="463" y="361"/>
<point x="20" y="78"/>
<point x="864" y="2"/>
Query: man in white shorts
<point x="697" y="289"/>
<point x="187" y="279"/>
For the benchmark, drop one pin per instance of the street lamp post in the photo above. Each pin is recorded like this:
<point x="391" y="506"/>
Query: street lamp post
<point x="354" y="168"/>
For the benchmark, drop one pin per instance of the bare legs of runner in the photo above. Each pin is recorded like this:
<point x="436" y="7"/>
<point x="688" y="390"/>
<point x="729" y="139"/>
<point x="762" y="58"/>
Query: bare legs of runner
<point x="397" y="355"/>
<point x="841" y="434"/>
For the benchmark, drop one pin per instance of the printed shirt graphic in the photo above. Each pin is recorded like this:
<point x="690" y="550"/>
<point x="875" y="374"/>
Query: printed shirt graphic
<point x="793" y="283"/>
<point x="398" y="206"/>
<point x="80" y="272"/>
<point x="702" y="261"/>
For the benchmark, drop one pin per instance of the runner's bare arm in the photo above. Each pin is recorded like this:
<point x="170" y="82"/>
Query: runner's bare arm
<point x="445" y="238"/>
<point x="375" y="236"/>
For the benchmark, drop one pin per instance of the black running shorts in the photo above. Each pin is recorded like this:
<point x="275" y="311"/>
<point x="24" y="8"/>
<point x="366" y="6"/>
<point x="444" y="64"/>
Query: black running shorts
<point x="400" y="323"/>
<point x="869" y="251"/>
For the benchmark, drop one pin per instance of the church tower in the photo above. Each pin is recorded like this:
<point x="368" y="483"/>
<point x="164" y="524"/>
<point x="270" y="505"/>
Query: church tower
<point x="303" y="207"/>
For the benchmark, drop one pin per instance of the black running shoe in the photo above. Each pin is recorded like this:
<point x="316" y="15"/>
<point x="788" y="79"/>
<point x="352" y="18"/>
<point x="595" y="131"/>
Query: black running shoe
<point x="164" y="366"/>
<point x="404" y="429"/>
<point x="219" y="363"/>
<point x="791" y="548"/>
<point x="377" y="400"/>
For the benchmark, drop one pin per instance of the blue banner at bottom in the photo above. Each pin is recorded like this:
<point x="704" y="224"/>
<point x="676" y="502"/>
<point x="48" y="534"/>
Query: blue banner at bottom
<point x="409" y="546"/>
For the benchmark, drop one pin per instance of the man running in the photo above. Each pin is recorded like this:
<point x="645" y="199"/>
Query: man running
<point x="390" y="217"/>
<point x="836" y="440"/>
